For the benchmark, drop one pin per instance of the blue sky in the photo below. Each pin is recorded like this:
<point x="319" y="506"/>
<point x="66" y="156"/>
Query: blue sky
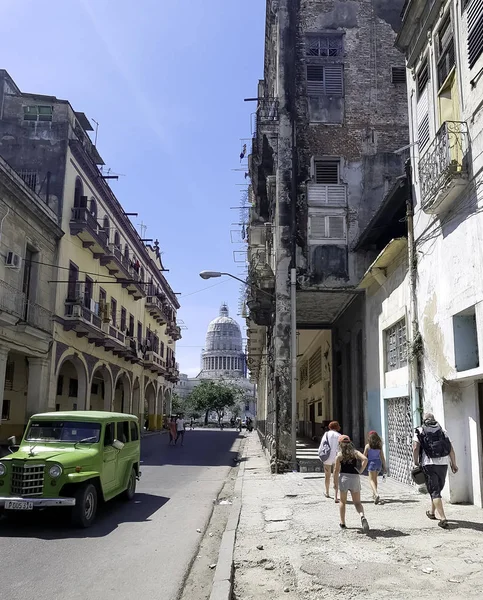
<point x="165" y="80"/>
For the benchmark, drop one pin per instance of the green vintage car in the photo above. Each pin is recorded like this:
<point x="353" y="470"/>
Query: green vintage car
<point x="72" y="459"/>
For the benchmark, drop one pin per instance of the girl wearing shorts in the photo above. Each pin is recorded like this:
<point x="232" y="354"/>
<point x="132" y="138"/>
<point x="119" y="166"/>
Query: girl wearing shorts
<point x="349" y="478"/>
<point x="376" y="461"/>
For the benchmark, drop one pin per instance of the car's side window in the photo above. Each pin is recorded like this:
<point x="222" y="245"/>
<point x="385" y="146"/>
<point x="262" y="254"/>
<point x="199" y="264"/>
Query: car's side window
<point x="109" y="434"/>
<point x="123" y="431"/>
<point x="134" y="431"/>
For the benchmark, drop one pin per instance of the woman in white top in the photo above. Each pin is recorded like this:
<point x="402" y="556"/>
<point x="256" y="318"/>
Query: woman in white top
<point x="331" y="438"/>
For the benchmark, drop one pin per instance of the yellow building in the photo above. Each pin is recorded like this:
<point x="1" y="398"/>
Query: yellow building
<point x="114" y="327"/>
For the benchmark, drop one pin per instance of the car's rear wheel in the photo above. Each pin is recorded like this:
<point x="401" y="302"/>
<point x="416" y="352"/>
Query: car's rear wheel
<point x="131" y="486"/>
<point x="85" y="509"/>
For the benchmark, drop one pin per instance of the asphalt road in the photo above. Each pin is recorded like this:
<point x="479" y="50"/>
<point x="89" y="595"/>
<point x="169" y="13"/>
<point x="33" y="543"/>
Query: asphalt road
<point x="139" y="550"/>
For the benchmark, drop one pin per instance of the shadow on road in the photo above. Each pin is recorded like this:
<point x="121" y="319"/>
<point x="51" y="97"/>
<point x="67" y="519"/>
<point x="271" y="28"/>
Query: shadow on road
<point x="55" y="524"/>
<point x="205" y="448"/>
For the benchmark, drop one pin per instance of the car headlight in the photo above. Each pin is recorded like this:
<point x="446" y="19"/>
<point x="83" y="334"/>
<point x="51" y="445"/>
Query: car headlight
<point x="55" y="471"/>
<point x="3" y="469"/>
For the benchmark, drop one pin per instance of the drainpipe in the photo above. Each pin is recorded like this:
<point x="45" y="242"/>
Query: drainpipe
<point x="415" y="348"/>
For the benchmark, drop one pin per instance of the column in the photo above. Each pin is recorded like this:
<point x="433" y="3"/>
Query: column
<point x="38" y="385"/>
<point x="3" y="369"/>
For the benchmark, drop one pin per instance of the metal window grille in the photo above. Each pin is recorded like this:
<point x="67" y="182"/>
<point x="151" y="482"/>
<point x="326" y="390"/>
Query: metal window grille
<point x="398" y="75"/>
<point x="475" y="30"/>
<point x="315" y="367"/>
<point x="396" y="346"/>
<point x="29" y="177"/>
<point x="326" y="171"/>
<point x="324" y="45"/>
<point x="399" y="443"/>
<point x="9" y="375"/>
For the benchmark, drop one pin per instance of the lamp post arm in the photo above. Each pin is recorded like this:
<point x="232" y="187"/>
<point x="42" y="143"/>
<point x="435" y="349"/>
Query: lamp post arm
<point x="248" y="284"/>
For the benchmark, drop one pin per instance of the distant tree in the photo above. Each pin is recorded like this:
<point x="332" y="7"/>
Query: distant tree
<point x="214" y="396"/>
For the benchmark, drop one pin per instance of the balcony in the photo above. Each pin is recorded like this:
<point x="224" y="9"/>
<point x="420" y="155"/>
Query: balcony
<point x="85" y="226"/>
<point x="154" y="362"/>
<point x="120" y="266"/>
<point x="174" y="331"/>
<point x="321" y="195"/>
<point x="15" y="309"/>
<point x="443" y="169"/>
<point x="157" y="309"/>
<point x="83" y="319"/>
<point x="173" y="372"/>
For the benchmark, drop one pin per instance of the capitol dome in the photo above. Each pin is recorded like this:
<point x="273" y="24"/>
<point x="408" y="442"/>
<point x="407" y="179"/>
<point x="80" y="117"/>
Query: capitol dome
<point x="223" y="354"/>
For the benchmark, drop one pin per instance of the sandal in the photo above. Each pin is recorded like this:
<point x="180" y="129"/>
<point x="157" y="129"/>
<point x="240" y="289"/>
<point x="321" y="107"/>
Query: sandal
<point x="342" y="525"/>
<point x="336" y="500"/>
<point x="377" y="499"/>
<point x="431" y="515"/>
<point x="327" y="495"/>
<point x="443" y="524"/>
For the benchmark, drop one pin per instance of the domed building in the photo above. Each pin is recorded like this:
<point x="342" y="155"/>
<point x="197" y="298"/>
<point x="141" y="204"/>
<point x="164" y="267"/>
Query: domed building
<point x="223" y="359"/>
<point x="223" y="356"/>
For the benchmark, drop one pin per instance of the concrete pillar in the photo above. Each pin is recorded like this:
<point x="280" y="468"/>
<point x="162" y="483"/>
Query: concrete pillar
<point x="3" y="369"/>
<point x="38" y="385"/>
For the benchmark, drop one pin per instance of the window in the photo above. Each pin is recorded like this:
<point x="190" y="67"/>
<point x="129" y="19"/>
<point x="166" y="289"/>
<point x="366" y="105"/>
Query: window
<point x="109" y="434"/>
<point x="89" y="284"/>
<point x="398" y="75"/>
<point x="37" y="113"/>
<point x="326" y="171"/>
<point x="123" y="432"/>
<point x="117" y="240"/>
<point x="315" y="367"/>
<point x="422" y="80"/>
<point x="131" y="325"/>
<point x="319" y="409"/>
<point x="475" y="30"/>
<point x="123" y="319"/>
<point x="446" y="51"/>
<point x="93" y="208"/>
<point x="324" y="227"/>
<point x="161" y="352"/>
<point x="140" y="332"/>
<point x="465" y="340"/>
<point x="134" y="431"/>
<point x="304" y="374"/>
<point x="396" y="346"/>
<point x="6" y="410"/>
<point x="323" y="45"/>
<point x="73" y="388"/>
<point x="325" y="80"/>
<point x="9" y="375"/>
<point x="60" y="385"/>
<point x="114" y="312"/>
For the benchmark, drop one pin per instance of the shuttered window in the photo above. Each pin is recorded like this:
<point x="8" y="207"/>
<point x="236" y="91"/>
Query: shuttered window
<point x="398" y="75"/>
<point x="326" y="171"/>
<point x="474" y="10"/>
<point x="423" y="106"/>
<point x="396" y="346"/>
<point x="326" y="227"/>
<point x="315" y="367"/>
<point x="325" y="80"/>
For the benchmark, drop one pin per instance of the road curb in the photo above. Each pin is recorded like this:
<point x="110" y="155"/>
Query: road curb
<point x="223" y="581"/>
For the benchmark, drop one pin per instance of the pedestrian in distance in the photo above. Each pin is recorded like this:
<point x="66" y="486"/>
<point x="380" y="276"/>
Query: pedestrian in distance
<point x="328" y="450"/>
<point x="172" y="432"/>
<point x="192" y="424"/>
<point x="432" y="451"/>
<point x="180" y="426"/>
<point x="376" y="461"/>
<point x="349" y="479"/>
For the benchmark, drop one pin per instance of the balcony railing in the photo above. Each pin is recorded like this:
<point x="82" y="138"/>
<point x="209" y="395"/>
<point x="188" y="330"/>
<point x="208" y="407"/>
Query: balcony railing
<point x="82" y="220"/>
<point x="11" y="299"/>
<point x="267" y="109"/>
<point x="156" y="306"/>
<point x="77" y="310"/>
<point x="443" y="169"/>
<point x="14" y="302"/>
<point x="38" y="317"/>
<point x="153" y="360"/>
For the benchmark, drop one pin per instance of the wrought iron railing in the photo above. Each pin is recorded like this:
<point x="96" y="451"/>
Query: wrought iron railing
<point x="12" y="300"/>
<point x="83" y="216"/>
<point x="267" y="109"/>
<point x="444" y="160"/>
<point x="38" y="316"/>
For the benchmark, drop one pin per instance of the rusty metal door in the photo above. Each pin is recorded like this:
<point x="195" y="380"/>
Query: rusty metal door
<point x="399" y="438"/>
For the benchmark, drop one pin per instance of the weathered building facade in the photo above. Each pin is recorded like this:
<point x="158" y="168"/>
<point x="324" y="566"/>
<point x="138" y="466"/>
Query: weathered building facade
<point x="332" y="110"/>
<point x="443" y="44"/>
<point x="29" y="237"/>
<point x="114" y="322"/>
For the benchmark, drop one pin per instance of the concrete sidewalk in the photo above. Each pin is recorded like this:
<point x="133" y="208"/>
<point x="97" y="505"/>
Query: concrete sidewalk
<point x="289" y="544"/>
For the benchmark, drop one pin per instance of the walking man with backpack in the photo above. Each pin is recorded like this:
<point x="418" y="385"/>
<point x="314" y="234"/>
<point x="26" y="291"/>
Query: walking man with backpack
<point x="432" y="451"/>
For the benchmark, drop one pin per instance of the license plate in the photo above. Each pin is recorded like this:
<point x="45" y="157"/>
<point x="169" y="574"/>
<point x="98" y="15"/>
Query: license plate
<point x="18" y="505"/>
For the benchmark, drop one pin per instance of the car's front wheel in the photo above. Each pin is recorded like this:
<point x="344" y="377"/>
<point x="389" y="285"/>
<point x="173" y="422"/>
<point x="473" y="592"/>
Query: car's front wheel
<point x="131" y="486"/>
<point x="85" y="509"/>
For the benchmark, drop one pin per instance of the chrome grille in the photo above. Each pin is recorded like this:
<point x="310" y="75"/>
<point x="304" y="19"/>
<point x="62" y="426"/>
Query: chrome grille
<point x="28" y="480"/>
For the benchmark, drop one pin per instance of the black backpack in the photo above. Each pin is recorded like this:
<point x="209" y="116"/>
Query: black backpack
<point x="434" y="441"/>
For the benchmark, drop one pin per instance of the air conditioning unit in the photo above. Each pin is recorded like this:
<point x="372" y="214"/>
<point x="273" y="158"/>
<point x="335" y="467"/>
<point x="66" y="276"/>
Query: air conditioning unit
<point x="12" y="260"/>
<point x="76" y="310"/>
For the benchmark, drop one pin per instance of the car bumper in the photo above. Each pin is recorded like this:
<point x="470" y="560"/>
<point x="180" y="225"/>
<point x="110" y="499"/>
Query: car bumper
<point x="39" y="502"/>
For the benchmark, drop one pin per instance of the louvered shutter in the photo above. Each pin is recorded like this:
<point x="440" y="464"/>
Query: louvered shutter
<point x="315" y="80"/>
<point x="326" y="171"/>
<point x="336" y="228"/>
<point x="475" y="31"/>
<point x="334" y="80"/>
<point x="317" y="227"/>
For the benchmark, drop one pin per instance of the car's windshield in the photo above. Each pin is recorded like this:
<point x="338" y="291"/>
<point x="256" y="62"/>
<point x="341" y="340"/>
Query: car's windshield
<point x="64" y="431"/>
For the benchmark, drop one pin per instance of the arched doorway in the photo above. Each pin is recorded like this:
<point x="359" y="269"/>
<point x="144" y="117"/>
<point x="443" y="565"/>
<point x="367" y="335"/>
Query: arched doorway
<point x="71" y="390"/>
<point x="122" y="394"/>
<point x="101" y="389"/>
<point x="150" y="405"/>
<point x="136" y="401"/>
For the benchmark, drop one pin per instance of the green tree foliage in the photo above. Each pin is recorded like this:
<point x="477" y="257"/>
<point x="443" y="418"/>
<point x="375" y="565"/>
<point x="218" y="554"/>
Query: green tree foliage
<point x="214" y="396"/>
